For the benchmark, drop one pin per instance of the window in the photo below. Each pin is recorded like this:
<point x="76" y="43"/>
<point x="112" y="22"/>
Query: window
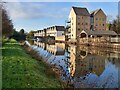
<point x="82" y="17"/>
<point x="99" y="36"/>
<point x="79" y="18"/>
<point x="103" y="19"/>
<point x="103" y="24"/>
<point x="72" y="34"/>
<point x="91" y="19"/>
<point x="96" y="18"/>
<point x="78" y="23"/>
<point x="62" y="34"/>
<point x="86" y="23"/>
<point x="79" y="29"/>
<point x="72" y="18"/>
<point x="99" y="18"/>
<point x="96" y="24"/>
<point x="82" y="23"/>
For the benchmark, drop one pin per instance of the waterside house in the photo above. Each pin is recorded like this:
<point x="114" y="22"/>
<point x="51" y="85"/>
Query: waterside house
<point x="51" y="33"/>
<point x="88" y="27"/>
<point x="81" y="27"/>
<point x="79" y="19"/>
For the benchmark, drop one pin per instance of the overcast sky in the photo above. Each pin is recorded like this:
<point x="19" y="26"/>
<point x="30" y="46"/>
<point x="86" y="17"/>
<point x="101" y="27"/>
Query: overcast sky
<point x="39" y="15"/>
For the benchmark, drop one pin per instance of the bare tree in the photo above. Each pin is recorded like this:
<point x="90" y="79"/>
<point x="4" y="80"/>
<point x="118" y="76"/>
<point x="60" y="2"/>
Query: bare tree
<point x="7" y="25"/>
<point x="109" y="19"/>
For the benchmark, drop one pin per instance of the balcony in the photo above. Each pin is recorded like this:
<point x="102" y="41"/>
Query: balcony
<point x="68" y="21"/>
<point x="68" y="26"/>
<point x="69" y="30"/>
<point x="69" y="35"/>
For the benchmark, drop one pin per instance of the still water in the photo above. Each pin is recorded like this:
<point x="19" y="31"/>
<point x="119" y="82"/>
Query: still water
<point x="82" y="66"/>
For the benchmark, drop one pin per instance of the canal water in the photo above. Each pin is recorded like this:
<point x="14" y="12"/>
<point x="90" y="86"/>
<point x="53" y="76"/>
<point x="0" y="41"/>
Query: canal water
<point x="82" y="66"/>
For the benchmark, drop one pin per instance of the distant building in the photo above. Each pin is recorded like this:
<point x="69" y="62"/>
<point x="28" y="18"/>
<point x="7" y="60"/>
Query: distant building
<point x="54" y="33"/>
<point x="39" y="33"/>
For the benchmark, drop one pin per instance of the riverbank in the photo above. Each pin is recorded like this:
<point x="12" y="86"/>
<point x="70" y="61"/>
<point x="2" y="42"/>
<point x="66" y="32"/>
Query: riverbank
<point x="21" y="70"/>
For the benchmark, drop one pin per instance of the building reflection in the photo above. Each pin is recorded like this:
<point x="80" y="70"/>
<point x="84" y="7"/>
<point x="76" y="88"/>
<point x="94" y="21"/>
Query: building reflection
<point x="53" y="48"/>
<point x="86" y="60"/>
<point x="72" y="58"/>
<point x="79" y="61"/>
<point x="56" y="49"/>
<point x="40" y="44"/>
<point x="83" y="61"/>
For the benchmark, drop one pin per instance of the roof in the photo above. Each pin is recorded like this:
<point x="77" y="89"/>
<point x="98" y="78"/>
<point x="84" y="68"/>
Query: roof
<point x="95" y="12"/>
<point x="39" y="30"/>
<point x="99" y="32"/>
<point x="60" y="52"/>
<point x="60" y="28"/>
<point x="81" y="11"/>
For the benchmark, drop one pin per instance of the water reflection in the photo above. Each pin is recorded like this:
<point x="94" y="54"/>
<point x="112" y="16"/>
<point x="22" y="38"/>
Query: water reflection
<point x="82" y="66"/>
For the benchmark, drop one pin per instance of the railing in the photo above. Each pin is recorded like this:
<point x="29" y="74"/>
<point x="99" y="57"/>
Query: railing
<point x="103" y="40"/>
<point x="69" y="30"/>
<point x="68" y="21"/>
<point x="94" y="40"/>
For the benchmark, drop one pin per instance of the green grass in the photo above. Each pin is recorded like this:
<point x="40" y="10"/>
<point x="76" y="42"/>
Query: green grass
<point x="20" y="70"/>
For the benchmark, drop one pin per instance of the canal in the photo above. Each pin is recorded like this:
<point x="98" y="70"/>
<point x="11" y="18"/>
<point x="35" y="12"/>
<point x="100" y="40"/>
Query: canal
<point x="82" y="66"/>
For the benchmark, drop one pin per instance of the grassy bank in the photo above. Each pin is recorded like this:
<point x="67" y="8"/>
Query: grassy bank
<point x="20" y="70"/>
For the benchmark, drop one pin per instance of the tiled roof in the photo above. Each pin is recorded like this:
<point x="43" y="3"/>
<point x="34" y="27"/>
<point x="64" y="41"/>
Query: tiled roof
<point x="94" y="12"/>
<point x="100" y="32"/>
<point x="81" y="11"/>
<point x="60" y="28"/>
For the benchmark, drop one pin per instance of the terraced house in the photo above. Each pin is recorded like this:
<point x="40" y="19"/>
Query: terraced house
<point x="53" y="33"/>
<point x="40" y="34"/>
